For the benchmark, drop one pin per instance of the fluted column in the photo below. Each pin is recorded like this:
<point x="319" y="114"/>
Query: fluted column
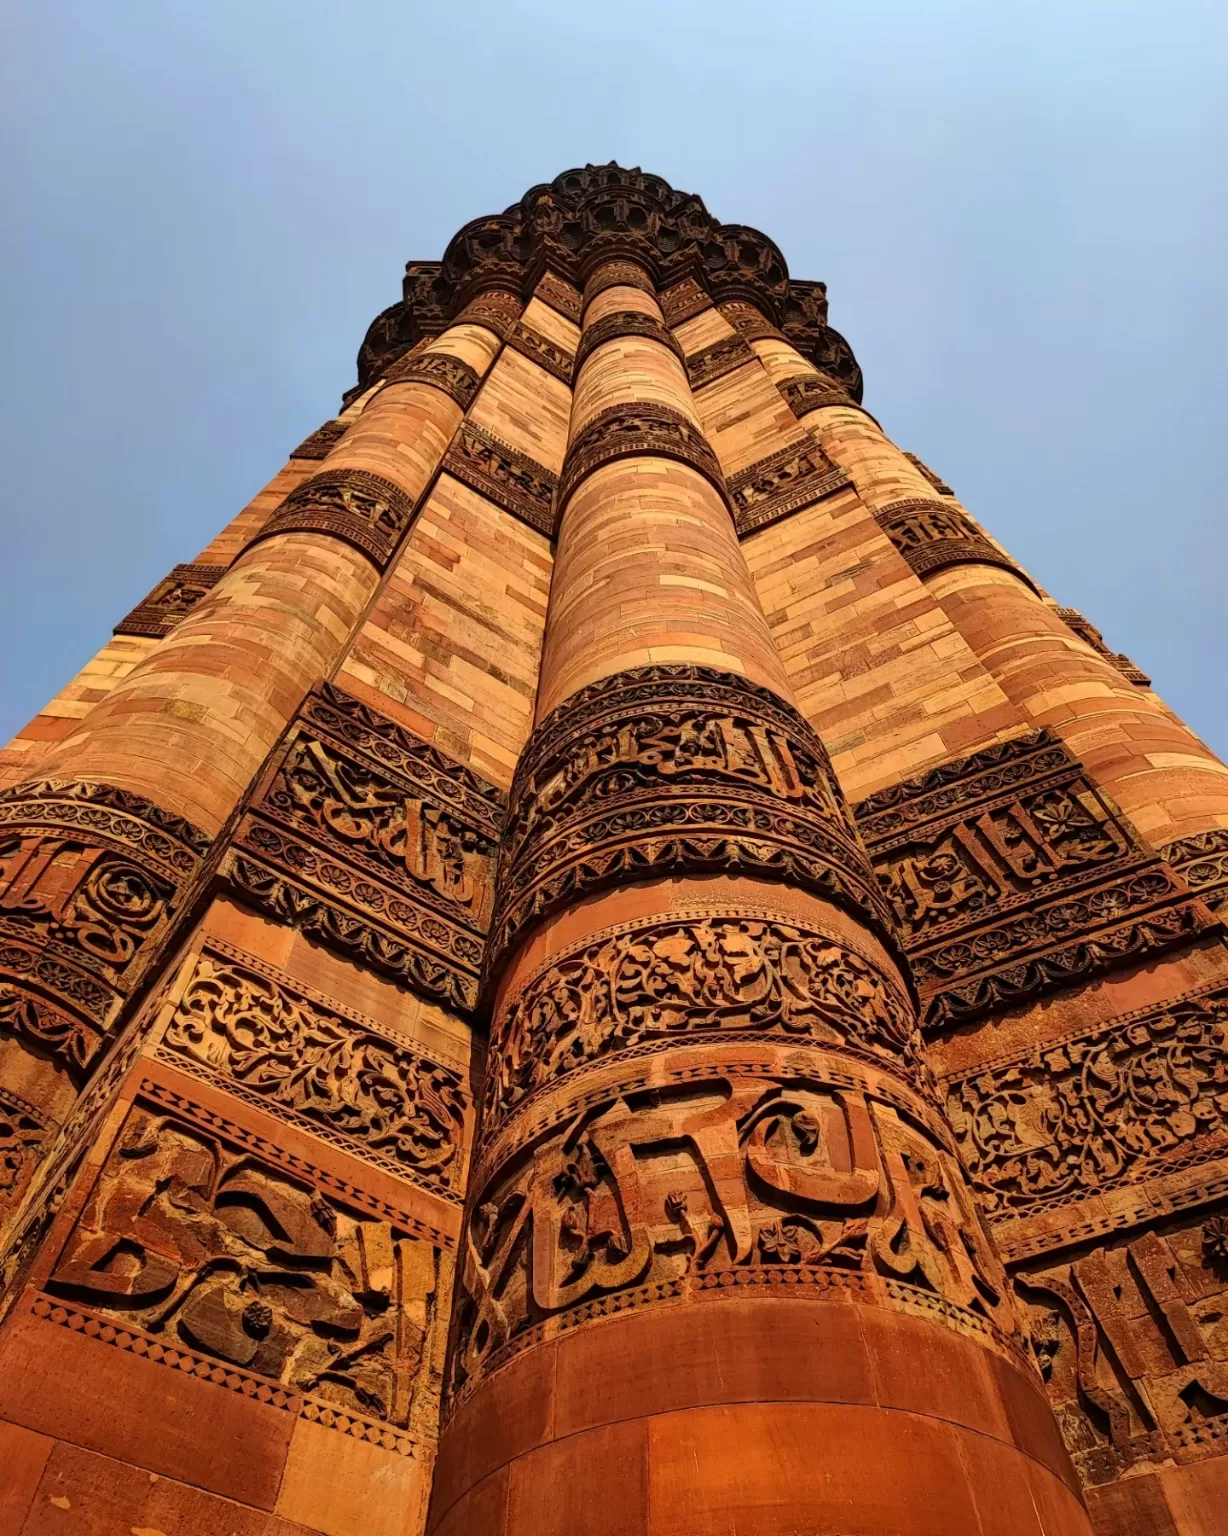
<point x="720" y="1269"/>
<point x="98" y="854"/>
<point x="1165" y="779"/>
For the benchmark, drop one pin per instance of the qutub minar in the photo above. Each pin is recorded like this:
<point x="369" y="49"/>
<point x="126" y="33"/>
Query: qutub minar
<point x="605" y="961"/>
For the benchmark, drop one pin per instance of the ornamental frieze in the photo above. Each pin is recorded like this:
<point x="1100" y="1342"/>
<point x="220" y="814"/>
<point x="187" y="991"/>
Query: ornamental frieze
<point x="1010" y="875"/>
<point x="511" y="479"/>
<point x="229" y="1256"/>
<point x="455" y="377"/>
<point x="373" y="842"/>
<point x="932" y="535"/>
<point x="353" y="505"/>
<point x="1131" y="1339"/>
<point x="626" y="322"/>
<point x="1143" y="1096"/>
<point x="699" y="974"/>
<point x="171" y="600"/>
<point x="621" y="431"/>
<point x="794" y="477"/>
<point x="783" y="1171"/>
<point x="91" y="878"/>
<point x="660" y="770"/>
<point x="1202" y="862"/>
<point x="716" y="361"/>
<point x="322" y="441"/>
<point x="279" y="1048"/>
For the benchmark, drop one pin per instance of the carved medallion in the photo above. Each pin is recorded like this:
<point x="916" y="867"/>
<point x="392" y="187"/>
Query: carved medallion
<point x="622" y="431"/>
<point x="1011" y="875"/>
<point x="353" y="505"/>
<point x="90" y="880"/>
<point x="376" y="844"/>
<point x="784" y="482"/>
<point x="171" y="600"/>
<point x="511" y="479"/>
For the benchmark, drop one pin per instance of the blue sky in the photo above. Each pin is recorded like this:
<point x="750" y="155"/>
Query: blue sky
<point x="1019" y="209"/>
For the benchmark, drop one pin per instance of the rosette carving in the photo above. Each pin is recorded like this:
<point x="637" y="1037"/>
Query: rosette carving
<point x="663" y="769"/>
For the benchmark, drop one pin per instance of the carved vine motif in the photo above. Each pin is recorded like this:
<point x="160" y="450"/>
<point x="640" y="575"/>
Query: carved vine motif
<point x="932" y="535"/>
<point x="511" y="479"/>
<point x="794" y="477"/>
<point x="375" y="844"/>
<point x="593" y="216"/>
<point x="455" y="377"/>
<point x="362" y="509"/>
<point x="716" y="361"/>
<point x="540" y="350"/>
<point x="672" y="768"/>
<point x="322" y="441"/>
<point x="175" y="596"/>
<point x="703" y="974"/>
<point x="1132" y="1344"/>
<point x="759" y="1174"/>
<point x="1130" y="1100"/>
<point x="1010" y="875"/>
<point x="193" y="1240"/>
<point x="626" y="322"/>
<point x="623" y="430"/>
<point x="386" y="1100"/>
<point x="1088" y="632"/>
<point x="90" y="877"/>
<point x="1202" y="861"/>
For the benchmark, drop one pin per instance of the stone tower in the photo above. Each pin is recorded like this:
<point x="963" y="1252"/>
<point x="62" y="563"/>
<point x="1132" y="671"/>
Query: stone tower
<point x="604" y="961"/>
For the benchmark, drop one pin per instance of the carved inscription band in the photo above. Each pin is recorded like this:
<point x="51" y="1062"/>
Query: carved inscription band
<point x="626" y="322"/>
<point x="353" y="505"/>
<point x="440" y="370"/>
<point x="716" y="361"/>
<point x="784" y="482"/>
<point x="812" y="391"/>
<point x="174" y="596"/>
<point x="509" y="478"/>
<point x="932" y="535"/>
<point x="622" y="431"/>
<point x="618" y="274"/>
<point x="660" y="770"/>
<point x="322" y="441"/>
<point x="90" y="879"/>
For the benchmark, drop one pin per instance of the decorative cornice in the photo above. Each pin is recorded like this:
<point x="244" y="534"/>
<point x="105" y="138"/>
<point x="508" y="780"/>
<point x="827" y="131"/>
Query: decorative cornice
<point x="353" y="505"/>
<point x="511" y="479"/>
<point x="626" y="322"/>
<point x="772" y="488"/>
<point x="171" y="600"/>
<point x="716" y="361"/>
<point x="621" y="431"/>
<point x="593" y="216"/>
<point x="932" y="535"/>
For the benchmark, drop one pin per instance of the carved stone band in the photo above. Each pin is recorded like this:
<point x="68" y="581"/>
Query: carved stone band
<point x="1202" y="861"/>
<point x="750" y="323"/>
<point x="322" y="441"/>
<point x="623" y="431"/>
<point x="683" y="301"/>
<point x="618" y="274"/>
<point x="812" y="391"/>
<point x="541" y="350"/>
<point x="666" y="769"/>
<point x="932" y="535"/>
<point x="511" y="479"/>
<point x="497" y="311"/>
<point x="353" y="505"/>
<point x="90" y="880"/>
<point x="626" y="322"/>
<point x="174" y="596"/>
<point x="440" y="370"/>
<point x="783" y="1168"/>
<point x="716" y="361"/>
<point x="560" y="295"/>
<point x="784" y="482"/>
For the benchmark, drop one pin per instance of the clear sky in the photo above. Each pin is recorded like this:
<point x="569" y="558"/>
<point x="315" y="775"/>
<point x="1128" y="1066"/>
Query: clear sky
<point x="1019" y="209"/>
